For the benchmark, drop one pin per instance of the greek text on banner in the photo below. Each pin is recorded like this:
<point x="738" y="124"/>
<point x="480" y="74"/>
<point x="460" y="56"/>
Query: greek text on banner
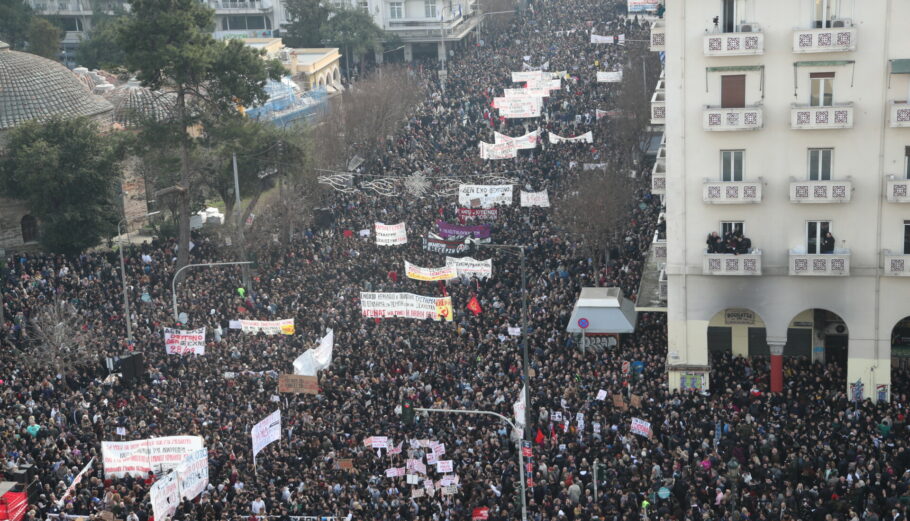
<point x="178" y="342"/>
<point x="391" y="234"/>
<point x="138" y="457"/>
<point x="429" y="274"/>
<point x="269" y="327"/>
<point x="405" y="305"/>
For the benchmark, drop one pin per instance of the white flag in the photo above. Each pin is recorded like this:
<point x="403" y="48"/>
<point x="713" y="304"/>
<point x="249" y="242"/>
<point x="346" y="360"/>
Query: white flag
<point x="313" y="360"/>
<point x="266" y="431"/>
<point x="76" y="481"/>
<point x="518" y="408"/>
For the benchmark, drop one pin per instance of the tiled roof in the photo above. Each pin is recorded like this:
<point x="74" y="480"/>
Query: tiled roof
<point x="134" y="103"/>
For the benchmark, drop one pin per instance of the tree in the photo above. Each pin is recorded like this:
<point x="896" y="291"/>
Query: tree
<point x="15" y="16"/>
<point x="177" y="52"/>
<point x="101" y="50"/>
<point x="43" y="38"/>
<point x="60" y="343"/>
<point x="67" y="174"/>
<point x="306" y="19"/>
<point x="354" y="31"/>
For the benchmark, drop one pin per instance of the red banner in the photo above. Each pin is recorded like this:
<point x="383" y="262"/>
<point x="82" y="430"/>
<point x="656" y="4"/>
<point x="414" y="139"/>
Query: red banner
<point x="480" y="514"/>
<point x="13" y="506"/>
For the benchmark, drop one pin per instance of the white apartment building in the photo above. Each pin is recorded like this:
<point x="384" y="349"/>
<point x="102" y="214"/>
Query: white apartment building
<point x="787" y="120"/>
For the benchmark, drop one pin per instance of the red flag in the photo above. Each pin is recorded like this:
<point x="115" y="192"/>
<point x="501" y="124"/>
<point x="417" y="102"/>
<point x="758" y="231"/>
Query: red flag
<point x="553" y="433"/>
<point x="474" y="306"/>
<point x="442" y="288"/>
<point x="539" y="438"/>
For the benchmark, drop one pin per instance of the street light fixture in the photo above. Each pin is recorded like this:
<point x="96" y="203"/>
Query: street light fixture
<point x="205" y="265"/>
<point x="126" y="300"/>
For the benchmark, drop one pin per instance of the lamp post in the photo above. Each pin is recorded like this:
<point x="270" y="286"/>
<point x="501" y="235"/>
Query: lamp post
<point x="126" y="300"/>
<point x="521" y="468"/>
<point x="206" y="265"/>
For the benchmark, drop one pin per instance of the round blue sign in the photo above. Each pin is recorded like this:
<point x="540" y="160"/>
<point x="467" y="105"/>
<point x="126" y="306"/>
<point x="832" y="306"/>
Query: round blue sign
<point x="583" y="323"/>
<point x="663" y="493"/>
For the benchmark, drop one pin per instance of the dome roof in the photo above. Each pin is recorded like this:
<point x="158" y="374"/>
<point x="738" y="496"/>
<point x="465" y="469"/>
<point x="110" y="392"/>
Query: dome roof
<point x="133" y="103"/>
<point x="32" y="87"/>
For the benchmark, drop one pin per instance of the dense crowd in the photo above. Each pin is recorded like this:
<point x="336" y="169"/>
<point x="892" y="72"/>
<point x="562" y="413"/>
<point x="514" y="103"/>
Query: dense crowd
<point x="736" y="453"/>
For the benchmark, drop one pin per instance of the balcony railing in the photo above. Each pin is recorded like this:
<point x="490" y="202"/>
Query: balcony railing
<point x="659" y="177"/>
<point x="725" y="119"/>
<point x="897" y="190"/>
<point x="731" y="192"/>
<point x="821" y="191"/>
<point x="804" y="117"/>
<point x="659" y="249"/>
<point x="236" y="6"/>
<point x="746" y="43"/>
<point x="820" y="265"/>
<point x="832" y="39"/>
<point x="900" y="114"/>
<point x="729" y="264"/>
<point x="658" y="37"/>
<point x="658" y="108"/>
<point x="662" y="285"/>
<point x="896" y="265"/>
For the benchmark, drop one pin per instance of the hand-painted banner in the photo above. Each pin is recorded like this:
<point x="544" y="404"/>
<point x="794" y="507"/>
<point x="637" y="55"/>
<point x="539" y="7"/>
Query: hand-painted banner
<point x="587" y="137"/>
<point x="468" y="267"/>
<point x="429" y="274"/>
<point x="535" y="199"/>
<point x="391" y="234"/>
<point x="139" y="457"/>
<point x="481" y="214"/>
<point x="485" y="196"/>
<point x="593" y="166"/>
<point x="526" y="75"/>
<point x="525" y="142"/>
<point x="269" y="327"/>
<point x="599" y="113"/>
<point x="265" y="432"/>
<point x="525" y="92"/>
<point x="639" y="6"/>
<point x="446" y="230"/>
<point x="178" y="342"/>
<point x="641" y="427"/>
<point x="443" y="246"/>
<point x="545" y="83"/>
<point x="505" y="150"/>
<point x="609" y="76"/>
<point x="526" y="107"/>
<point x="165" y="497"/>
<point x="609" y="39"/>
<point x="193" y="474"/>
<point x="405" y="305"/>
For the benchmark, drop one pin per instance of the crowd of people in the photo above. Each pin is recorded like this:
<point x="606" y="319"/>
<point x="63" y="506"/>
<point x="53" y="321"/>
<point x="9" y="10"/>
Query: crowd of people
<point x="734" y="453"/>
<point x="733" y="242"/>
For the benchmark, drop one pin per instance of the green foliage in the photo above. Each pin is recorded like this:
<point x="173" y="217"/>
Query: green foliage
<point x="66" y="172"/>
<point x="43" y="38"/>
<point x="101" y="50"/>
<point x="14" y="22"/>
<point x="306" y="17"/>
<point x="352" y="30"/>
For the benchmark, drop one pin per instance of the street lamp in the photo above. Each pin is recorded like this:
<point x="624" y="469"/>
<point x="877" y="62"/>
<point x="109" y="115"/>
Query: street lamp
<point x="206" y="265"/>
<point x="521" y="468"/>
<point x="126" y="300"/>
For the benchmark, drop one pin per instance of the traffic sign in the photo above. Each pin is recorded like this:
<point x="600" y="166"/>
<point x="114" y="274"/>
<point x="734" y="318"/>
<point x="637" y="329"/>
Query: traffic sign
<point x="583" y="323"/>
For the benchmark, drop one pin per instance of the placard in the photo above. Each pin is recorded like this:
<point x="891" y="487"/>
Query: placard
<point x="391" y="234"/>
<point x="269" y="327"/>
<point x="265" y="432"/>
<point x="405" y="305"/>
<point x="619" y="403"/>
<point x="164" y="496"/>
<point x="298" y="384"/>
<point x="193" y="474"/>
<point x="179" y="342"/>
<point x="609" y="76"/>
<point x="529" y="199"/>
<point x="344" y="464"/>
<point x="641" y="427"/>
<point x="488" y="195"/>
<point x="444" y="466"/>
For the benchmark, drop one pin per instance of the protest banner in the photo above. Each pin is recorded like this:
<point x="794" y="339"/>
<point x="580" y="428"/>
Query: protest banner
<point x="481" y="214"/>
<point x="444" y="466"/>
<point x="497" y="150"/>
<point x="529" y="199"/>
<point x="596" y="38"/>
<point x="587" y="137"/>
<point x="517" y="93"/>
<point x="525" y="142"/>
<point x="601" y="395"/>
<point x="139" y="457"/>
<point x="269" y="327"/>
<point x="635" y="400"/>
<point x="446" y="230"/>
<point x="417" y="493"/>
<point x="298" y="384"/>
<point x="391" y="234"/>
<point x="480" y="514"/>
<point x="609" y="76"/>
<point x="444" y="246"/>
<point x="619" y="403"/>
<point x="523" y="107"/>
<point x="165" y="497"/>
<point x="429" y="274"/>
<point x="75" y="483"/>
<point x="598" y="114"/>
<point x="450" y="490"/>
<point x="641" y="6"/>
<point x="179" y="342"/>
<point x="314" y="360"/>
<point x="526" y="75"/>
<point x="544" y="83"/>
<point x="468" y="267"/>
<point x="193" y="474"/>
<point x="265" y="432"/>
<point x="488" y="195"/>
<point x="344" y="464"/>
<point x="405" y="305"/>
<point x="641" y="427"/>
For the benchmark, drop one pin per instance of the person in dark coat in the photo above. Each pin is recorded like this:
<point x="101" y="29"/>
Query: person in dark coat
<point x="828" y="243"/>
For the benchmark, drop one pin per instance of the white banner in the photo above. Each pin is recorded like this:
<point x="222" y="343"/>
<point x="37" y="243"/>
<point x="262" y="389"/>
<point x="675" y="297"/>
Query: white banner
<point x="518" y="408"/>
<point x="269" y="327"/>
<point x="621" y="39"/>
<point x="546" y="83"/>
<point x="318" y="358"/>
<point x="488" y="195"/>
<point x="193" y="474"/>
<point x="505" y="150"/>
<point x="526" y="75"/>
<point x="587" y="137"/>
<point x="429" y="274"/>
<point x="178" y="342"/>
<point x="599" y="113"/>
<point x="75" y="483"/>
<point x="525" y="142"/>
<point x="405" y="305"/>
<point x="265" y="432"/>
<point x="525" y="92"/>
<point x="391" y="234"/>
<point x="165" y="497"/>
<point x="138" y="457"/>
<point x="641" y="427"/>
<point x="468" y="267"/>
<point x="609" y="76"/>
<point x="535" y="199"/>
<point x="526" y="107"/>
<point x="638" y="6"/>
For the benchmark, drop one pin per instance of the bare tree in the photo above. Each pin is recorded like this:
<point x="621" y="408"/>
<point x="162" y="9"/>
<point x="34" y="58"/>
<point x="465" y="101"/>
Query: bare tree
<point x="59" y="342"/>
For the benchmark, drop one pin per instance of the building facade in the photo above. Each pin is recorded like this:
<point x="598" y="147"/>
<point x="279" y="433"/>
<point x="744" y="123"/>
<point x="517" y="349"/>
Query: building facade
<point x="787" y="122"/>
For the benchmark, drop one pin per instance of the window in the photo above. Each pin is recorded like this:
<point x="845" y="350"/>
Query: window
<point x="396" y="10"/>
<point x="906" y="237"/>
<point x="70" y="24"/>
<point x="731" y="165"/>
<point x="906" y="162"/>
<point x="815" y="233"/>
<point x="729" y="16"/>
<point x="731" y="227"/>
<point x="825" y="11"/>
<point x="429" y="8"/>
<point x="822" y="92"/>
<point x="820" y="164"/>
<point x="29" y="229"/>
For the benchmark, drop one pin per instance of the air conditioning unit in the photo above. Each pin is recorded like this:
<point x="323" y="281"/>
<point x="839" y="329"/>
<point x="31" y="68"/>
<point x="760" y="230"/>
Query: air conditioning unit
<point x="745" y="28"/>
<point x="836" y="328"/>
<point x="841" y="22"/>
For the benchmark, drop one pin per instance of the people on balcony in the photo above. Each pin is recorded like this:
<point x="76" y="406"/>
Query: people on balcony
<point x="827" y="244"/>
<point x="733" y="243"/>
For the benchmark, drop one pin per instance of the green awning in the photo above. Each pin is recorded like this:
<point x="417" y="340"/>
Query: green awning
<point x="826" y="63"/>
<point x="733" y="68"/>
<point x="900" y="66"/>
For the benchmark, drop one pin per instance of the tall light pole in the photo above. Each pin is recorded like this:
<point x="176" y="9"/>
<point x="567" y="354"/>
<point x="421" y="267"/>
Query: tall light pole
<point x="521" y="468"/>
<point x="206" y="265"/>
<point x="126" y="299"/>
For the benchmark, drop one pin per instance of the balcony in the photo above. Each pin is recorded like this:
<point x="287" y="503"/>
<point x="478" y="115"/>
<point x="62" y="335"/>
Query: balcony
<point x="821" y="191"/>
<point x="835" y="264"/>
<point x="900" y="114"/>
<point x="731" y="192"/>
<point x="726" y="119"/>
<point x="252" y="6"/>
<point x="659" y="249"/>
<point x="804" y="117"/>
<point x="662" y="285"/>
<point x="896" y="265"/>
<point x="729" y="264"/>
<point x="658" y="37"/>
<point x="841" y="38"/>
<point x="659" y="177"/>
<point x="658" y="107"/>
<point x="897" y="190"/>
<point x="749" y="42"/>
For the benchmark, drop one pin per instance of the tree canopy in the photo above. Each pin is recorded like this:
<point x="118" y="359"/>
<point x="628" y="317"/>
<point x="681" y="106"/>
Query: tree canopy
<point x="353" y="30"/>
<point x="43" y="38"/>
<point x="14" y="22"/>
<point x="306" y="18"/>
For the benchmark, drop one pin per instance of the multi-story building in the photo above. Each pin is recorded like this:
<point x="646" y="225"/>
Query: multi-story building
<point x="787" y="122"/>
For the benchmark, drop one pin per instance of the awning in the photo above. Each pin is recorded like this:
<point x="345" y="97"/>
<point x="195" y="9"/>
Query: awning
<point x="605" y="310"/>
<point x="822" y="63"/>
<point x="900" y="66"/>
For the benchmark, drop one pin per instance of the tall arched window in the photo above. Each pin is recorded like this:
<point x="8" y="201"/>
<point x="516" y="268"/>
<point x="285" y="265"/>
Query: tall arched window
<point x="29" y="229"/>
